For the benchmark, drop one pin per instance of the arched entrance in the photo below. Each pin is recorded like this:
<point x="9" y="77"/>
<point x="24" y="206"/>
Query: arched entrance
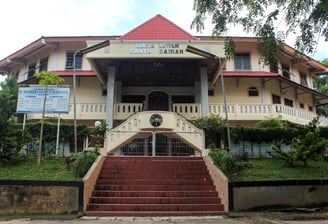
<point x="158" y="100"/>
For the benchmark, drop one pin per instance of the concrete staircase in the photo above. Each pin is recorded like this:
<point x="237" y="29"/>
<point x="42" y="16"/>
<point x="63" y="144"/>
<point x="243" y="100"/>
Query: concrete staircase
<point x="154" y="186"/>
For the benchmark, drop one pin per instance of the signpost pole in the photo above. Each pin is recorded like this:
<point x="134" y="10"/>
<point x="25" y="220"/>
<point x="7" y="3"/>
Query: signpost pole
<point x="57" y="139"/>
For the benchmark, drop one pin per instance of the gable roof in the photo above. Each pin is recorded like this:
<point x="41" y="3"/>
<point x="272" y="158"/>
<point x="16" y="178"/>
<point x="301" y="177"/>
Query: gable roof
<point x="158" y="28"/>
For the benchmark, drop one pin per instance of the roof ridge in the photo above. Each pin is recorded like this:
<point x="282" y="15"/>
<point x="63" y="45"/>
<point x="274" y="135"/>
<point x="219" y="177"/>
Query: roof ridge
<point x="166" y="31"/>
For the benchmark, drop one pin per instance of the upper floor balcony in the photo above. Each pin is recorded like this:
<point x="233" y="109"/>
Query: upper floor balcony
<point x="191" y="111"/>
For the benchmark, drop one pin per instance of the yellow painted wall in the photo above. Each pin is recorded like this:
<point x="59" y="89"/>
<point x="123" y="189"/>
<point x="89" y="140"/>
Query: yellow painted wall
<point x="88" y="90"/>
<point x="237" y="91"/>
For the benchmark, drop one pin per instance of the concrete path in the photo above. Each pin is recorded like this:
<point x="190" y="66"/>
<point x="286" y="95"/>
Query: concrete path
<point x="249" y="219"/>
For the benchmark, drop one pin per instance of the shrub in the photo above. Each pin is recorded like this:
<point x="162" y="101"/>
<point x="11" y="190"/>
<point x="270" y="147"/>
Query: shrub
<point x="11" y="142"/>
<point x="308" y="145"/>
<point x="213" y="126"/>
<point x="225" y="161"/>
<point x="83" y="162"/>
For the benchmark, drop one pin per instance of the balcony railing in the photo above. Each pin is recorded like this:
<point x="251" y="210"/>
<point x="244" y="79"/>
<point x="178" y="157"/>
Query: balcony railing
<point x="250" y="112"/>
<point x="262" y="111"/>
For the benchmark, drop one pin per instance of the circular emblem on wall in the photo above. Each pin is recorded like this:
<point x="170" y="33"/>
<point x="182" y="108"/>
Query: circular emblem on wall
<point x="156" y="120"/>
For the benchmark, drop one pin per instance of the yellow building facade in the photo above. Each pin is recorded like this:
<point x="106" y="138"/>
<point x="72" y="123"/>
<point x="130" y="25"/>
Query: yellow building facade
<point x="146" y="84"/>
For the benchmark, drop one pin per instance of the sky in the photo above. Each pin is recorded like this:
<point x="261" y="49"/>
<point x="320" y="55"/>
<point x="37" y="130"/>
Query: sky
<point x="24" y="21"/>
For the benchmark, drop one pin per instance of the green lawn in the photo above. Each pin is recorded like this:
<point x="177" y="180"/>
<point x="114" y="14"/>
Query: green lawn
<point x="273" y="169"/>
<point x="25" y="169"/>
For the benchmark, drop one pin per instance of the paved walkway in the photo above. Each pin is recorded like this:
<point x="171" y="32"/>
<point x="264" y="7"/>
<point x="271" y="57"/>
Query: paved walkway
<point x="249" y="218"/>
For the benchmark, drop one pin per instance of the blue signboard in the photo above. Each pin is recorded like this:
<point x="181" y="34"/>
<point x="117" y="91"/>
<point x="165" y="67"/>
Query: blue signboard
<point x="30" y="99"/>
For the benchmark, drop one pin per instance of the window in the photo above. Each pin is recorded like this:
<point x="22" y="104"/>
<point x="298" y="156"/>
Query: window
<point x="276" y="99"/>
<point x="288" y="102"/>
<point x="285" y="71"/>
<point x="31" y="70"/>
<point x="303" y="79"/>
<point x="274" y="66"/>
<point x="211" y="92"/>
<point x="70" y="59"/>
<point x="242" y="61"/>
<point x="302" y="105"/>
<point x="310" y="108"/>
<point x="43" y="65"/>
<point x="253" y="91"/>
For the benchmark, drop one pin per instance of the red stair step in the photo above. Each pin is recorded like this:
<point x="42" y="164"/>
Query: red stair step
<point x="141" y="186"/>
<point x="200" y="181"/>
<point x="99" y="193"/>
<point x="155" y="200"/>
<point x="113" y="187"/>
<point x="155" y="207"/>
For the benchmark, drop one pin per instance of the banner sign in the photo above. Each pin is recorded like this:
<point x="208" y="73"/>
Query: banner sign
<point x="30" y="100"/>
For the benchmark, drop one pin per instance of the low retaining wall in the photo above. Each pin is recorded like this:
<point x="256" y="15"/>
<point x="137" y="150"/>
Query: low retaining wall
<point x="245" y="196"/>
<point x="220" y="182"/>
<point x="43" y="197"/>
<point x="90" y="179"/>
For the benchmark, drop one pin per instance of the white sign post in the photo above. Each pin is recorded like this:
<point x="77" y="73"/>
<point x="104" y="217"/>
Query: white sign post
<point x="30" y="100"/>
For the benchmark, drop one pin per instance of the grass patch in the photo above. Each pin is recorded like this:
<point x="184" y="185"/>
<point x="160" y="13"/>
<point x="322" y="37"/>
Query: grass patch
<point x="274" y="169"/>
<point x="24" y="168"/>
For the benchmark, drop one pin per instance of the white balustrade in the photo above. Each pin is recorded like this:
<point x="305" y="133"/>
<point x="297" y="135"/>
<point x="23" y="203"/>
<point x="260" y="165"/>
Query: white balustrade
<point x="139" y="123"/>
<point x="242" y="111"/>
<point x="188" y="110"/>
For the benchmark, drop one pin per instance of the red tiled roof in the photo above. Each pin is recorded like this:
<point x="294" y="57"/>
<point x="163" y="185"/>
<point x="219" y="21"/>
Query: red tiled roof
<point x="158" y="28"/>
<point x="71" y="72"/>
<point x="248" y="74"/>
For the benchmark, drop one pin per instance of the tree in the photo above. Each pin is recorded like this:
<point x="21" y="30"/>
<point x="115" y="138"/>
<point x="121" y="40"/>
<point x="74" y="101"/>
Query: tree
<point x="213" y="127"/>
<point x="308" y="145"/>
<point x="308" y="17"/>
<point x="11" y="140"/>
<point x="45" y="78"/>
<point x="321" y="84"/>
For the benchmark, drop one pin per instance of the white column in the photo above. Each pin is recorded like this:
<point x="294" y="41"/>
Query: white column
<point x="110" y="97"/>
<point x="204" y="91"/>
<point x="263" y="92"/>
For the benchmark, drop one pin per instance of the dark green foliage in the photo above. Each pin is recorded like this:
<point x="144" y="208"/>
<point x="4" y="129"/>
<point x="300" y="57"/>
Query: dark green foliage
<point x="272" y="123"/>
<point x="274" y="135"/>
<point x="11" y="136"/>
<point x="262" y="18"/>
<point x="83" y="162"/>
<point x="321" y="84"/>
<point x="66" y="133"/>
<point x="309" y="144"/>
<point x="99" y="134"/>
<point x="213" y="127"/>
<point x="272" y="130"/>
<point x="225" y="161"/>
<point x="12" y="141"/>
<point x="229" y="48"/>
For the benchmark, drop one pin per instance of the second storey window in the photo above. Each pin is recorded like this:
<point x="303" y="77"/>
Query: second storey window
<point x="70" y="59"/>
<point x="274" y="66"/>
<point x="242" y="61"/>
<point x="43" y="64"/>
<point x="253" y="91"/>
<point x="303" y="79"/>
<point x="276" y="99"/>
<point x="285" y="71"/>
<point x="288" y="102"/>
<point x="31" y="70"/>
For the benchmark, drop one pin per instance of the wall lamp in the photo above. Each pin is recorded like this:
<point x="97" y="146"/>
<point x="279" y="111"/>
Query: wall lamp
<point x="209" y="55"/>
<point x="82" y="51"/>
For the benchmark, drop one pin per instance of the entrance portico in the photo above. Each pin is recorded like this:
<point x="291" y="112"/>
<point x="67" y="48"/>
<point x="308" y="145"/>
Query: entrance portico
<point x="156" y="74"/>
